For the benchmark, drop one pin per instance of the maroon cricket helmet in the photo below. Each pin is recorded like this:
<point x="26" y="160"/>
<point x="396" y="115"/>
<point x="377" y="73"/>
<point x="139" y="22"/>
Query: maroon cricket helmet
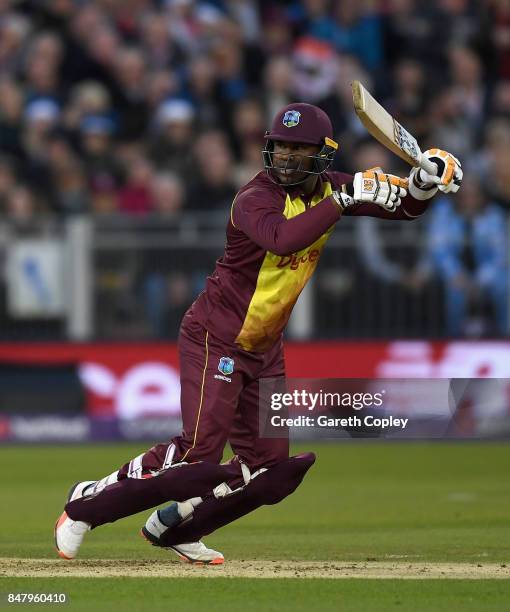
<point x="302" y="123"/>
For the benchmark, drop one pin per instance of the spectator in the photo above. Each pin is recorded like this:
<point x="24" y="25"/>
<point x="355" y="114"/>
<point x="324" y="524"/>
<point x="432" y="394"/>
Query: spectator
<point x="213" y="187"/>
<point x="168" y="193"/>
<point x="41" y="117"/>
<point x="7" y="181"/>
<point x="162" y="51"/>
<point x="468" y="246"/>
<point x="161" y="85"/>
<point x="246" y="15"/>
<point x="135" y="196"/>
<point x="11" y="111"/>
<point x="249" y="127"/>
<point x="130" y="74"/>
<point x="201" y="85"/>
<point x="87" y="98"/>
<point x="14" y="30"/>
<point x="410" y="272"/>
<point x="410" y="100"/>
<point x="315" y="70"/>
<point x="359" y="32"/>
<point x="492" y="162"/>
<point x="414" y="29"/>
<point x="249" y="123"/>
<point x="102" y="169"/>
<point x="42" y="67"/>
<point x="500" y="100"/>
<point x="313" y="18"/>
<point x="500" y="35"/>
<point x="278" y="84"/>
<point x="469" y="88"/>
<point x="184" y="24"/>
<point x="450" y="128"/>
<point x="229" y="67"/>
<point x="67" y="176"/>
<point x="21" y="210"/>
<point x="172" y="137"/>
<point x="277" y="38"/>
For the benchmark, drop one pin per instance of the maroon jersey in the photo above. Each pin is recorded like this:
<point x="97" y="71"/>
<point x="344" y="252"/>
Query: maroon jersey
<point x="275" y="236"/>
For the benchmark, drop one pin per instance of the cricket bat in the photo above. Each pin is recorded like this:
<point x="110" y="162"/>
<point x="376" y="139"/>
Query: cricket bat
<point x="388" y="130"/>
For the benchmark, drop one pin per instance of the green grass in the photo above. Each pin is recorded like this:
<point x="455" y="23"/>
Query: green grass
<point x="267" y="595"/>
<point x="421" y="501"/>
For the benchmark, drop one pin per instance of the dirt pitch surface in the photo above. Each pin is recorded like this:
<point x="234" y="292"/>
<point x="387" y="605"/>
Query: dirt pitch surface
<point x="49" y="568"/>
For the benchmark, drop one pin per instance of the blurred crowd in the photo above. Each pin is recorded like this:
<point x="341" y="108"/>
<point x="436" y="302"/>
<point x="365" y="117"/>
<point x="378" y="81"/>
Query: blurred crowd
<point x="154" y="107"/>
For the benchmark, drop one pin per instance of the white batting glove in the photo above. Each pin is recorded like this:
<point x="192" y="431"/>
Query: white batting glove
<point x="385" y="190"/>
<point x="448" y="179"/>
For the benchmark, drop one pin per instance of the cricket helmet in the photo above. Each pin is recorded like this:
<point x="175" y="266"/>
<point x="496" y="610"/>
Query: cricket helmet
<point x="302" y="123"/>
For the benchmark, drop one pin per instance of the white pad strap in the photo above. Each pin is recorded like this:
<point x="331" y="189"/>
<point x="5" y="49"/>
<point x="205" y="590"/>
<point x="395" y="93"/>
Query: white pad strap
<point x="223" y="490"/>
<point x="101" y="484"/>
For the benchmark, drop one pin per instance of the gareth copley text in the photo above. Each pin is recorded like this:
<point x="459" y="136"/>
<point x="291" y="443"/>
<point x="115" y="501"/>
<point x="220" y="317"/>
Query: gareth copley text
<point x="326" y="421"/>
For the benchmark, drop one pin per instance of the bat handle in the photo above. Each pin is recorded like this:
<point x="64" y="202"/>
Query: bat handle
<point x="428" y="166"/>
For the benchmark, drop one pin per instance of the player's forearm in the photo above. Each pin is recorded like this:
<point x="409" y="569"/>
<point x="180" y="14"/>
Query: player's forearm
<point x="291" y="235"/>
<point x="412" y="208"/>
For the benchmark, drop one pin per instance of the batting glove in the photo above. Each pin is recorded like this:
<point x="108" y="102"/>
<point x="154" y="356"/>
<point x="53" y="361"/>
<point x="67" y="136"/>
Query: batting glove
<point x="448" y="179"/>
<point x="385" y="190"/>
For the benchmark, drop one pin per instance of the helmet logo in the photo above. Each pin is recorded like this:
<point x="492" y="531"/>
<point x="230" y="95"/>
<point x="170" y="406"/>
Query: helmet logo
<point x="291" y="118"/>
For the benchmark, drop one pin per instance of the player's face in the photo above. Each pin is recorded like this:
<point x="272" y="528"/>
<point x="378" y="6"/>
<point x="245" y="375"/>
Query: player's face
<point x="291" y="158"/>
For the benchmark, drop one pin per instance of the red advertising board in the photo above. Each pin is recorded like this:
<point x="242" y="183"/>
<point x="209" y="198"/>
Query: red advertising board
<point x="133" y="380"/>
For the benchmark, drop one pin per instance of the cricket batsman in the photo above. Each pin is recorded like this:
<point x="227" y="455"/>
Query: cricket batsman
<point x="231" y="338"/>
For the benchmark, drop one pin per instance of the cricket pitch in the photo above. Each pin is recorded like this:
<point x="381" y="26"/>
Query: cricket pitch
<point x="46" y="568"/>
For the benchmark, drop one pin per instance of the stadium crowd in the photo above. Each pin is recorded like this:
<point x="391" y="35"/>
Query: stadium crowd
<point x="153" y="107"/>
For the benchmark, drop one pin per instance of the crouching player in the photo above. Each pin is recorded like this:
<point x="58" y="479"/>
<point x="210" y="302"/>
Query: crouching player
<point x="231" y="338"/>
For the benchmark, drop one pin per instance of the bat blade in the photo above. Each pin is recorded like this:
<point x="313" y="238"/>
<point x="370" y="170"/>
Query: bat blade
<point x="387" y="130"/>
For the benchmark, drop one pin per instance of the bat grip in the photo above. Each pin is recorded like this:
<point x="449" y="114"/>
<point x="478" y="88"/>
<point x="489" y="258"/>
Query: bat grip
<point x="428" y="166"/>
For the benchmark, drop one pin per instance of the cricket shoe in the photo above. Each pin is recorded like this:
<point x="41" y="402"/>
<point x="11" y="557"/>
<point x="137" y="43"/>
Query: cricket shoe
<point x="68" y="533"/>
<point x="196" y="553"/>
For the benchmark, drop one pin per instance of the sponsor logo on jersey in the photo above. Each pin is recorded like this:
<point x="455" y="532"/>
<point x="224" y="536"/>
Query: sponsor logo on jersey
<point x="291" y="118"/>
<point x="294" y="260"/>
<point x="226" y="365"/>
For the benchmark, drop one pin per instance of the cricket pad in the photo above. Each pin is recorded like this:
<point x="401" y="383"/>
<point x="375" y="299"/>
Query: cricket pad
<point x="267" y="488"/>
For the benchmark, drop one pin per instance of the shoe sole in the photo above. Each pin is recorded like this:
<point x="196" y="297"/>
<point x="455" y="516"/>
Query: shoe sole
<point x="186" y="559"/>
<point x="146" y="535"/>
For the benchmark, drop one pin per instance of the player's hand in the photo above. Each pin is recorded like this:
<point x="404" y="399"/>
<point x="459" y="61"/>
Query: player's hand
<point x="385" y="190"/>
<point x="449" y="171"/>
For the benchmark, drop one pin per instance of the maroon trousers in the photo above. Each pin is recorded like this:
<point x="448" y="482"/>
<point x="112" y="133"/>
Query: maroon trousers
<point x="217" y="408"/>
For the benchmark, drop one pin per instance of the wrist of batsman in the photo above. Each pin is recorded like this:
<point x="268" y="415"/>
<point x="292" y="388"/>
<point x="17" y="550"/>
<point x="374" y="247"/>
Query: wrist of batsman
<point x="342" y="199"/>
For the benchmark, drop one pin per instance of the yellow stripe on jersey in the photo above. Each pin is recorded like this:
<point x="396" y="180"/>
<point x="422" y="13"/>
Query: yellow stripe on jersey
<point x="280" y="281"/>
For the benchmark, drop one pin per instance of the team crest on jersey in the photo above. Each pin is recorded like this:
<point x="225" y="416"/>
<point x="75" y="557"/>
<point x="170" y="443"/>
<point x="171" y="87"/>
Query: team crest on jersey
<point x="291" y="118"/>
<point x="226" y="365"/>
